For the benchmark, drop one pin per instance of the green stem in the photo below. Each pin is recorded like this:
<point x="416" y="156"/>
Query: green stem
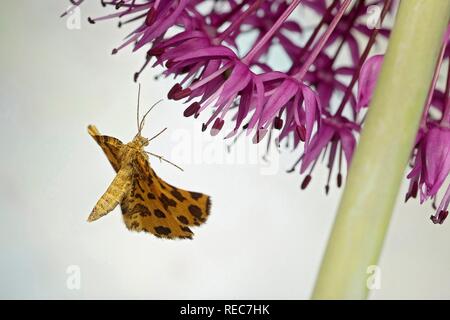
<point x="386" y="141"/>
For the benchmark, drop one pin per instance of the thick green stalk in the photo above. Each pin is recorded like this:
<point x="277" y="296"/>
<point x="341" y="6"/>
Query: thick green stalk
<point x="386" y="141"/>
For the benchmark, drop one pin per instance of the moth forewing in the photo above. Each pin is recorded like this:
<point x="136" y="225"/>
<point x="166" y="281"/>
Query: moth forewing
<point x="93" y="131"/>
<point x="111" y="146"/>
<point x="118" y="188"/>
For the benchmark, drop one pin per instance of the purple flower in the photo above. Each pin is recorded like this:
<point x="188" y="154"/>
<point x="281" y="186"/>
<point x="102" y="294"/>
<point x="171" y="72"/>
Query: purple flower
<point x="327" y="79"/>
<point x="157" y="17"/>
<point x="336" y="134"/>
<point x="436" y="159"/>
<point x="367" y="80"/>
<point x="431" y="167"/>
<point x="223" y="78"/>
<point x="214" y="75"/>
<point x="431" y="158"/>
<point x="312" y="104"/>
<point x="292" y="100"/>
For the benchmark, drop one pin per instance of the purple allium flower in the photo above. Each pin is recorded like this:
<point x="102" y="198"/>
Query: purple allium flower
<point x="367" y="80"/>
<point x="436" y="159"/>
<point x="431" y="167"/>
<point x="338" y="133"/>
<point x="431" y="157"/>
<point x="316" y="102"/>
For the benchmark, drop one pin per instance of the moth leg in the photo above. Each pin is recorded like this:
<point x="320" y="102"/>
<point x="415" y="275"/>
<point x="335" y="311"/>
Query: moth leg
<point x="113" y="195"/>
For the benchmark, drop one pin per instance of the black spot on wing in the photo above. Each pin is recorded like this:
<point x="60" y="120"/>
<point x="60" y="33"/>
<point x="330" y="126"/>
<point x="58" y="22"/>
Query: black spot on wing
<point x="161" y="185"/>
<point x="196" y="195"/>
<point x="195" y="211"/>
<point x="167" y="202"/>
<point x="139" y="196"/>
<point x="142" y="210"/>
<point x="183" y="219"/>
<point x="177" y="195"/>
<point x="136" y="181"/>
<point x="161" y="230"/>
<point x="186" y="229"/>
<point x="159" y="214"/>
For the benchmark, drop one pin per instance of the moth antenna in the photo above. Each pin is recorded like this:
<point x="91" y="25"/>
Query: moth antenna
<point x="141" y="125"/>
<point x="137" y="116"/>
<point x="161" y="158"/>
<point x="156" y="135"/>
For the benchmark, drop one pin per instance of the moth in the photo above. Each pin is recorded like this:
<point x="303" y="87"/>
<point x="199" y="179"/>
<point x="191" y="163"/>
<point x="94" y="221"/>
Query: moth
<point x="148" y="203"/>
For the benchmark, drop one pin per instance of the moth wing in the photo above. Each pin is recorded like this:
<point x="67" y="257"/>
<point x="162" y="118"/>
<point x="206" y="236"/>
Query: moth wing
<point x="110" y="146"/>
<point x="116" y="191"/>
<point x="142" y="211"/>
<point x="188" y="207"/>
<point x="150" y="207"/>
<point x="192" y="208"/>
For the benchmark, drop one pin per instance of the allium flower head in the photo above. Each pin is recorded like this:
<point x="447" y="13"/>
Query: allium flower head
<point x="316" y="102"/>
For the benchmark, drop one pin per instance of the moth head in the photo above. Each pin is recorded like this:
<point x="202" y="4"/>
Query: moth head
<point x="141" y="141"/>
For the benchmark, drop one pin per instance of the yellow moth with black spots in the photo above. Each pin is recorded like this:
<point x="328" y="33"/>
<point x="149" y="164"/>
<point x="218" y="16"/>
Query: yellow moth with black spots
<point x="148" y="203"/>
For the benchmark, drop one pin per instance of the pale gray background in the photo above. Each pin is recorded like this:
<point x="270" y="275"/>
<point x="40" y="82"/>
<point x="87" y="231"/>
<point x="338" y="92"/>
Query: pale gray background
<point x="264" y="239"/>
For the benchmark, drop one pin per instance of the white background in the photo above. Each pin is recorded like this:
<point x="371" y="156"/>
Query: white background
<point x="264" y="239"/>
